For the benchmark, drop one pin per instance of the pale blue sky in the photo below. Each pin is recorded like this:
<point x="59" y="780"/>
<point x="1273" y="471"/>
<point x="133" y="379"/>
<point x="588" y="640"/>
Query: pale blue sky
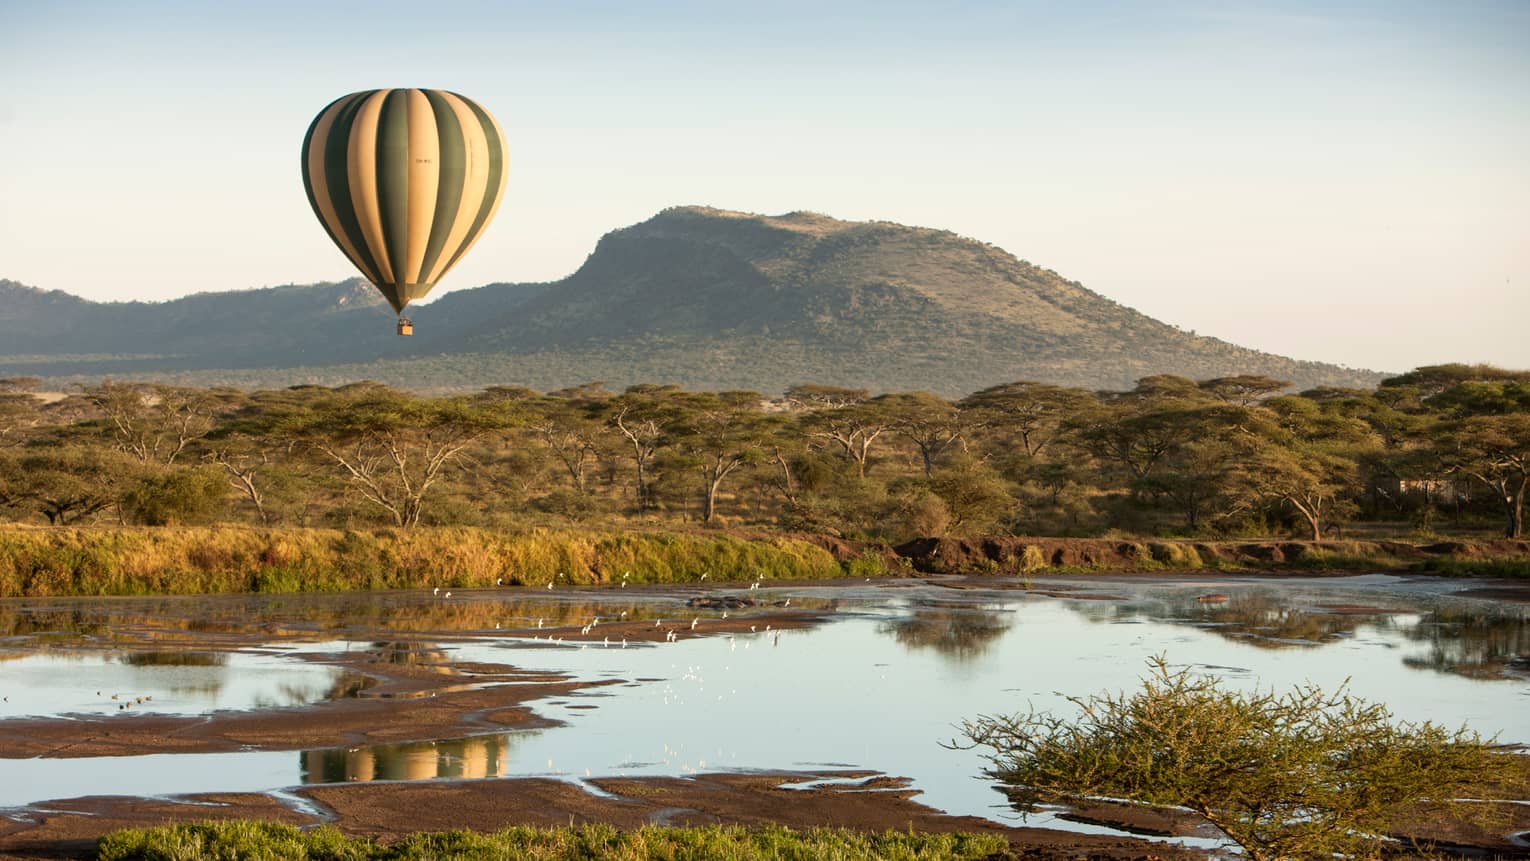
<point x="1339" y="181"/>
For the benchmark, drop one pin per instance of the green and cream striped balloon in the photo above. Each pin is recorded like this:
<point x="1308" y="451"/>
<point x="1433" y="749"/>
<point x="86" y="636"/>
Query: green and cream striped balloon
<point x="404" y="181"/>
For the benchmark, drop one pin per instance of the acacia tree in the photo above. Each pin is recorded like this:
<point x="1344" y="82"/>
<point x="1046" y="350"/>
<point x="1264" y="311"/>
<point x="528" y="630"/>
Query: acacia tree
<point x="1034" y="415"/>
<point x="852" y="427"/>
<point x="718" y="434"/>
<point x="640" y="415"/>
<point x="67" y="483"/>
<point x="1494" y="450"/>
<point x="1243" y="389"/>
<point x="18" y="409"/>
<point x="1299" y="775"/>
<point x="391" y="448"/>
<point x="1308" y="458"/>
<point x="932" y="423"/>
<point x="155" y="423"/>
<point x="564" y="425"/>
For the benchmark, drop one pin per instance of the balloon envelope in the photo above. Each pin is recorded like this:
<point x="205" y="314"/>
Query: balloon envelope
<point x="404" y="181"/>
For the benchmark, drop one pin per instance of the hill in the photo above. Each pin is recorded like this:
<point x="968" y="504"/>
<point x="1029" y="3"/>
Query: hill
<point x="702" y="297"/>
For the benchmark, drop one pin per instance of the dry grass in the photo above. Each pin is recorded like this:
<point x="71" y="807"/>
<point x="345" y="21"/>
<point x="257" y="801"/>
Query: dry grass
<point x="196" y="560"/>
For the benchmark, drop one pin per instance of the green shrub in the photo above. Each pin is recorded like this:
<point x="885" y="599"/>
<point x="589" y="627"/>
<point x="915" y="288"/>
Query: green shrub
<point x="1297" y="775"/>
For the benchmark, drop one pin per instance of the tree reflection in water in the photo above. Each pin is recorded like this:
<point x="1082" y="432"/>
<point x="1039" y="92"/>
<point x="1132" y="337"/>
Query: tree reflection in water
<point x="174" y="659"/>
<point x="476" y="757"/>
<point x="961" y="632"/>
<point x="1476" y="644"/>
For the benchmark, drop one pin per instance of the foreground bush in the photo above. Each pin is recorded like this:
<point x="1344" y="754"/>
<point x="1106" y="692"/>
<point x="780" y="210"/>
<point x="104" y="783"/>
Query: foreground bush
<point x="261" y="840"/>
<point x="194" y="560"/>
<point x="1285" y="776"/>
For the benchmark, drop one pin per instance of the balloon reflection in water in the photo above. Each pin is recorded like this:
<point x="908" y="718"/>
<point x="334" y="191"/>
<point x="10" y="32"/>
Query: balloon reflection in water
<point x="476" y="757"/>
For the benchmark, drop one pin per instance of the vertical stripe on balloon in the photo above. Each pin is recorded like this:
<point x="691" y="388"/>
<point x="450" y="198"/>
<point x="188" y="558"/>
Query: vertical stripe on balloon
<point x="317" y="186"/>
<point x="361" y="165"/>
<point x="453" y="155"/>
<point x="424" y="179"/>
<point x="392" y="148"/>
<point x="494" y="181"/>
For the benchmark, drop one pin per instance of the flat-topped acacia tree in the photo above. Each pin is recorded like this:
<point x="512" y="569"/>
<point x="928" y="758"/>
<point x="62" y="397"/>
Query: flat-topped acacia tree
<point x="1299" y="775"/>
<point x="390" y="448"/>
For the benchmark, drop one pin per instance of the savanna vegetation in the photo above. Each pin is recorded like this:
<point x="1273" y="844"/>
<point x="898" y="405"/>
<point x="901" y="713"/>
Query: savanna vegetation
<point x="241" y="839"/>
<point x="1296" y="775"/>
<point x="1440" y="451"/>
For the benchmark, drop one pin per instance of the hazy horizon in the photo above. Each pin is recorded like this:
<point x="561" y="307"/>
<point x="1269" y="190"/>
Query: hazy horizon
<point x="1324" y="181"/>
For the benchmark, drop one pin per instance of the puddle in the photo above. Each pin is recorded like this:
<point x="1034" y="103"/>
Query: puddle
<point x="879" y="686"/>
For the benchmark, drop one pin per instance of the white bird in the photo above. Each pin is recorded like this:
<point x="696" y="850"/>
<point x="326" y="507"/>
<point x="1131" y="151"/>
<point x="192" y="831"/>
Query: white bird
<point x="607" y="643"/>
<point x="693" y="624"/>
<point x="788" y="603"/>
<point x="539" y="623"/>
<point x="624" y="642"/>
<point x="549" y="584"/>
<point x="624" y="614"/>
<point x="499" y="581"/>
<point x="704" y="574"/>
<point x="447" y="595"/>
<point x="657" y="622"/>
<point x="436" y="591"/>
<point x="725" y="614"/>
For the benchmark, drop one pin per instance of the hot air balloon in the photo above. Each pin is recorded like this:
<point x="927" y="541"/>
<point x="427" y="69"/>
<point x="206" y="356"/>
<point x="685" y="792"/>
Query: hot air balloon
<point x="404" y="182"/>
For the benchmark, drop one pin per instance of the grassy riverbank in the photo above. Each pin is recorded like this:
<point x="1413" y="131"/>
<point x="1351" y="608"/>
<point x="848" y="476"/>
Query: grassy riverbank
<point x="202" y="560"/>
<point x="38" y="562"/>
<point x="243" y="839"/>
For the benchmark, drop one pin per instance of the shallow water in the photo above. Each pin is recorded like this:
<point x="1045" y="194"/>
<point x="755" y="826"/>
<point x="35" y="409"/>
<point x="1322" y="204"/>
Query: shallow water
<point x="882" y="684"/>
<point x="172" y="682"/>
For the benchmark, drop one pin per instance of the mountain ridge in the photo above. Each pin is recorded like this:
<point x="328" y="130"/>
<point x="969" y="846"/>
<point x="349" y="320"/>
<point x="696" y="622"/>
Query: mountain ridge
<point x="673" y="298"/>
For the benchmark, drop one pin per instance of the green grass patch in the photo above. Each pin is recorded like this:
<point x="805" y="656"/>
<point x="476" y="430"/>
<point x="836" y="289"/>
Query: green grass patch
<point x="239" y="840"/>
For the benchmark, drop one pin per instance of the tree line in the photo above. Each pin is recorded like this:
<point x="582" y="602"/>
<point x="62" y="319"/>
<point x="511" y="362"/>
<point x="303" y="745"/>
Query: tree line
<point x="1442" y="448"/>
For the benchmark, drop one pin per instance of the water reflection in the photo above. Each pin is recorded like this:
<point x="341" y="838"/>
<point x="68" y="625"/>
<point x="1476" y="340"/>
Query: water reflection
<point x="476" y="757"/>
<point x="66" y="682"/>
<point x="409" y="653"/>
<point x="957" y="631"/>
<point x="174" y="659"/>
<point x="1474" y="639"/>
<point x="1472" y="643"/>
<point x="196" y="619"/>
